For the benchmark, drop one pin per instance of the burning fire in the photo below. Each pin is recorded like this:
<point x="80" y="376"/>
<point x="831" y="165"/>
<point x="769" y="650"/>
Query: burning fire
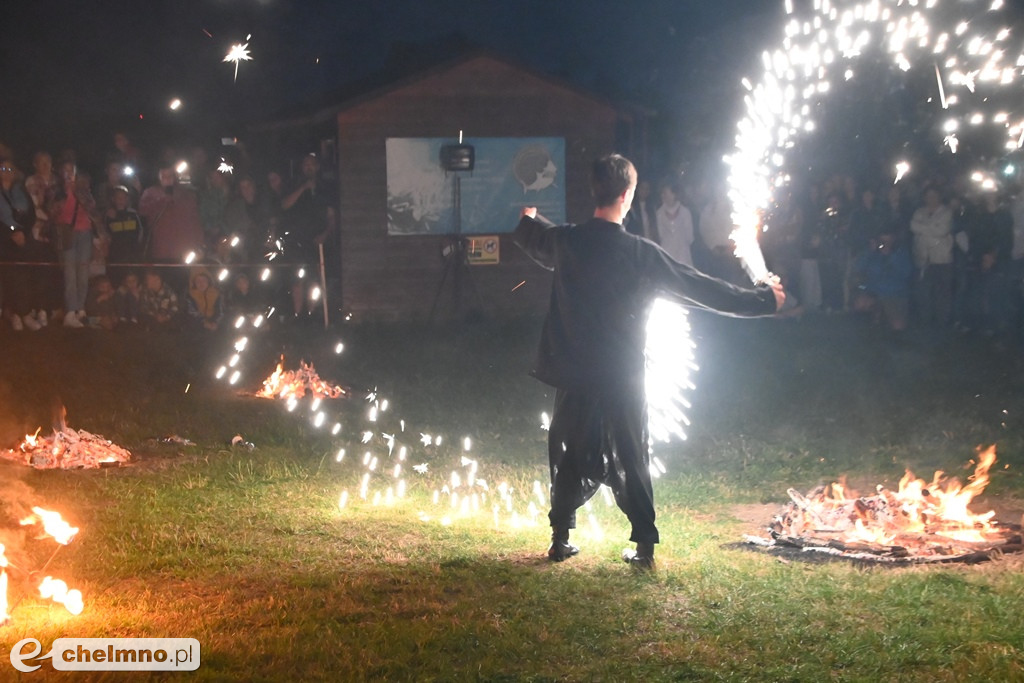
<point x="53" y="524"/>
<point x="57" y="590"/>
<point x="288" y="384"/>
<point x="4" y="616"/>
<point x="54" y="589"/>
<point x="67" y="449"/>
<point x="922" y="519"/>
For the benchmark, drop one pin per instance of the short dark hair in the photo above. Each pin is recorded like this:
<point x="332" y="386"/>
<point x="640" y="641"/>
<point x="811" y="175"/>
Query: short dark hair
<point x="610" y="176"/>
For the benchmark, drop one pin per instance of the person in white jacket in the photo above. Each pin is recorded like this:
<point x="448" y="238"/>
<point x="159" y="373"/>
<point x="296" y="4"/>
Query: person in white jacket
<point x="675" y="226"/>
<point x="932" y="227"/>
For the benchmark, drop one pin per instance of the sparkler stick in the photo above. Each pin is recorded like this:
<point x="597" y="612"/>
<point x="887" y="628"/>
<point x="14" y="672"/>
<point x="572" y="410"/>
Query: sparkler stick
<point x="942" y="90"/>
<point x="323" y="285"/>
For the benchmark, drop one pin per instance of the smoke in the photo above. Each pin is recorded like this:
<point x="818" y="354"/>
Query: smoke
<point x="15" y="504"/>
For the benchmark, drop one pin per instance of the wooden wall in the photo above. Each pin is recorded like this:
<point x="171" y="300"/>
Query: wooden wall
<point x="397" y="277"/>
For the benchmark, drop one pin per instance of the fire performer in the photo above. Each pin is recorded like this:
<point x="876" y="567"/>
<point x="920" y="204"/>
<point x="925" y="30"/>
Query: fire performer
<point x="592" y="351"/>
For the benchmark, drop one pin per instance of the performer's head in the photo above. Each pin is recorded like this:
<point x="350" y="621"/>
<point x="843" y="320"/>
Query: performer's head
<point x="613" y="180"/>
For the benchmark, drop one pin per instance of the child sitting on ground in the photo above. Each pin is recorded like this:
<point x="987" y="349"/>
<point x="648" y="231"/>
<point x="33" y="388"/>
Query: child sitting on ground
<point x="100" y="309"/>
<point x="205" y="305"/>
<point x="126" y="298"/>
<point x="158" y="304"/>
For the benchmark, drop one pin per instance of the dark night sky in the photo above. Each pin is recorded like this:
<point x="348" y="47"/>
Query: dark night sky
<point x="74" y="71"/>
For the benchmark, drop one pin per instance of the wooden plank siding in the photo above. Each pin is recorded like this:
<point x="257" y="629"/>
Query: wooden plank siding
<point x="397" y="277"/>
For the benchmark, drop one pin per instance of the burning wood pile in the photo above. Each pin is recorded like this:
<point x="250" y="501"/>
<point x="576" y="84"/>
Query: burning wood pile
<point x="921" y="522"/>
<point x="67" y="449"/>
<point x="294" y="384"/>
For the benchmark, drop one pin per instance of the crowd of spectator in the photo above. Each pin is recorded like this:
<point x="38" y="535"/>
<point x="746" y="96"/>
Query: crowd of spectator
<point x="936" y="255"/>
<point x="113" y="253"/>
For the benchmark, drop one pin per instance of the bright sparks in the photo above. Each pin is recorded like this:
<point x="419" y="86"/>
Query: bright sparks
<point x="239" y="52"/>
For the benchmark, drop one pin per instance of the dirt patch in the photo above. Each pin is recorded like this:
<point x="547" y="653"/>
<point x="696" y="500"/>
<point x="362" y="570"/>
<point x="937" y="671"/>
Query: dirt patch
<point x="754" y="517"/>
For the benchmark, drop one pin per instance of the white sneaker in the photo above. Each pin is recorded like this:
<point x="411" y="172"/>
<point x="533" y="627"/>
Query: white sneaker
<point x="31" y="323"/>
<point x="71" y="320"/>
<point x="43" y="320"/>
<point x="16" y="323"/>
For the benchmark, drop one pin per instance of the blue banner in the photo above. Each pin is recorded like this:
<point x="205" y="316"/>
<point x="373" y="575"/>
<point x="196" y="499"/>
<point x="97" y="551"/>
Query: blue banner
<point x="509" y="173"/>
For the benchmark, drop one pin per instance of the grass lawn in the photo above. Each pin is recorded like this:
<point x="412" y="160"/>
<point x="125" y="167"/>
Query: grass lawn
<point x="249" y="552"/>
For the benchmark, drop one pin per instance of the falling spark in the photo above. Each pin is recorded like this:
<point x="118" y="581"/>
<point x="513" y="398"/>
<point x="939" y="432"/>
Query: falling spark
<point x="174" y="104"/>
<point x="339" y="347"/>
<point x="901" y="170"/>
<point x="942" y="90"/>
<point x="239" y="52"/>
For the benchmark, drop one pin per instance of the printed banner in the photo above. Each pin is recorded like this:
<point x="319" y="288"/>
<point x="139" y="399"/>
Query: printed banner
<point x="509" y="173"/>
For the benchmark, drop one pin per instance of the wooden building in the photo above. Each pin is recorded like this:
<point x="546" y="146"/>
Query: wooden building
<point x="399" y="277"/>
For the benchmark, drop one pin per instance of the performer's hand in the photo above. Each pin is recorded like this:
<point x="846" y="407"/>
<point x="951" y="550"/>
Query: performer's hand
<point x="530" y="211"/>
<point x="779" y="292"/>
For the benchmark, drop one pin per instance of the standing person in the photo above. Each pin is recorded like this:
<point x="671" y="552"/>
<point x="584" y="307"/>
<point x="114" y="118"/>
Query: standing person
<point x="675" y="225"/>
<point x="124" y="226"/>
<point x="16" y="209"/>
<point x="171" y="212"/>
<point x="592" y="352"/>
<point x="41" y="187"/>
<point x="932" y="227"/>
<point x="117" y="176"/>
<point x="247" y="217"/>
<point x="309" y="221"/>
<point x="74" y="213"/>
<point x="715" y="228"/>
<point x="641" y="220"/>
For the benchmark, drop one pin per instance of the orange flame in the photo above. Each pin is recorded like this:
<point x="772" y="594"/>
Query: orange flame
<point x="930" y="518"/>
<point x="4" y="616"/>
<point x="57" y="590"/>
<point x="53" y="524"/>
<point x="30" y="440"/>
<point x="284" y="384"/>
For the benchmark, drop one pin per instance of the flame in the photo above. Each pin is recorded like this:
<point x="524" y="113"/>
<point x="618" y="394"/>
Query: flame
<point x="30" y="440"/>
<point x="4" y="616"/>
<point x="929" y="518"/>
<point x="57" y="590"/>
<point x="287" y="384"/>
<point x="53" y="524"/>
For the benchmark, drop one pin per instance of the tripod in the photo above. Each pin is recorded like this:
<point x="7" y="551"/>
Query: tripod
<point x="455" y="264"/>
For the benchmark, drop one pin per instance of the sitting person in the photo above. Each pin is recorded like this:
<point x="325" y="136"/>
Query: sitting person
<point x="241" y="300"/>
<point x="126" y="298"/>
<point x="205" y="305"/>
<point x="100" y="308"/>
<point x="158" y="304"/>
<point x="883" y="274"/>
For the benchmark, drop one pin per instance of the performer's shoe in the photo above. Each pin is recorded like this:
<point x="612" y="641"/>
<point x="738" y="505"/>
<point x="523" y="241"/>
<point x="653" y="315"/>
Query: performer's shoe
<point x="560" y="548"/>
<point x="641" y="559"/>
